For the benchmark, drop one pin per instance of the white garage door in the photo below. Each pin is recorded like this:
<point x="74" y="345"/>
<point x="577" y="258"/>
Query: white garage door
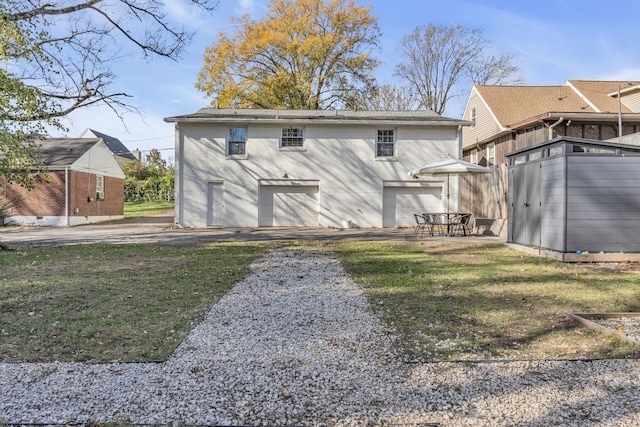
<point x="400" y="203"/>
<point x="288" y="206"/>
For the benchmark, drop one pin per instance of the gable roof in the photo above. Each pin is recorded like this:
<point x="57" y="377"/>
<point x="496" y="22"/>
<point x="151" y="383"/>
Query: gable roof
<point x="598" y="93"/>
<point x="317" y="116"/>
<point x="64" y="151"/>
<point x="515" y="104"/>
<point x="114" y="144"/>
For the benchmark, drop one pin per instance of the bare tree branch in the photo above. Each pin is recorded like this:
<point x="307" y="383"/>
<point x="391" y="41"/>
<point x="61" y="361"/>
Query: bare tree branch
<point x="440" y="59"/>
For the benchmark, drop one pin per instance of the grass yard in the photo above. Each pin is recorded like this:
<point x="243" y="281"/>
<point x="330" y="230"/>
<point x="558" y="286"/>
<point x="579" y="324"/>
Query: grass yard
<point x="111" y="302"/>
<point x="132" y="210"/>
<point x="444" y="301"/>
<point x="465" y="301"/>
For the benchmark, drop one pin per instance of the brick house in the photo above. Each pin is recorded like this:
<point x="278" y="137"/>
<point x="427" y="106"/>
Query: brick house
<point x="84" y="185"/>
<point x="265" y="168"/>
<point x="509" y="118"/>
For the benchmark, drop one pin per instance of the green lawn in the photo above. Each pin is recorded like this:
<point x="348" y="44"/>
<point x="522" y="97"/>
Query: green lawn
<point x="108" y="302"/>
<point x="444" y="301"/>
<point x="465" y="301"/>
<point x="146" y="208"/>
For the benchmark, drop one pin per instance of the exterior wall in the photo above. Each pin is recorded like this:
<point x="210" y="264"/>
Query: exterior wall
<point x="99" y="160"/>
<point x="603" y="203"/>
<point x="486" y="124"/>
<point x="340" y="159"/>
<point x="553" y="208"/>
<point x="45" y="204"/>
<point x="82" y="187"/>
<point x="632" y="101"/>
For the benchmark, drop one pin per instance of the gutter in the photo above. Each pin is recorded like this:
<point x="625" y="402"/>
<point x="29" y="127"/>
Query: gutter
<point x="553" y="125"/>
<point x="323" y="121"/>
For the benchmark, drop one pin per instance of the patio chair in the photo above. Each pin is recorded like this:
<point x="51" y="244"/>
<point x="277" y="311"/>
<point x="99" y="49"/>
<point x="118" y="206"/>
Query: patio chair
<point x="460" y="224"/>
<point x="438" y="223"/>
<point x="421" y="224"/>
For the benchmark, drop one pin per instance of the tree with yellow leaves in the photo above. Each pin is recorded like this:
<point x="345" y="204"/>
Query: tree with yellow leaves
<point x="305" y="54"/>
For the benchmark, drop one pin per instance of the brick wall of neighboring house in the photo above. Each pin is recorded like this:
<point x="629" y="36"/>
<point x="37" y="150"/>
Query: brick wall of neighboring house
<point x="48" y="197"/>
<point x="84" y="201"/>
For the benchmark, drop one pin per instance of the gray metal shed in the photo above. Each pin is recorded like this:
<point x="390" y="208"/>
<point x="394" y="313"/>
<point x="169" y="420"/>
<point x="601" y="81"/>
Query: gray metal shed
<point x="573" y="194"/>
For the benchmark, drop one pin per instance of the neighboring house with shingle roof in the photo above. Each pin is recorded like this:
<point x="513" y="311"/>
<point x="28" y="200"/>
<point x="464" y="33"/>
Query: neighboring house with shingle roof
<point x="508" y="118"/>
<point x="114" y="144"/>
<point x="84" y="184"/>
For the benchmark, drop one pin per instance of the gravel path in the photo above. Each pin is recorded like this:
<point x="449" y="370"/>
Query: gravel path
<point x="296" y="344"/>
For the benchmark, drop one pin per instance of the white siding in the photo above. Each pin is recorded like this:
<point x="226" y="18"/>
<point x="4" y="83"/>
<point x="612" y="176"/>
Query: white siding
<point x="340" y="158"/>
<point x="632" y="101"/>
<point x="486" y="124"/>
<point x="99" y="160"/>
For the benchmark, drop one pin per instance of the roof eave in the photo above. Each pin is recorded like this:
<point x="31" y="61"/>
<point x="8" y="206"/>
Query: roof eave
<point x="338" y="119"/>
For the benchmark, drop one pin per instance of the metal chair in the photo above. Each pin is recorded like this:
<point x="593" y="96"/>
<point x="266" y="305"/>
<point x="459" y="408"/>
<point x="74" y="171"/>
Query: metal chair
<point x="438" y="223"/>
<point x="421" y="224"/>
<point x="459" y="224"/>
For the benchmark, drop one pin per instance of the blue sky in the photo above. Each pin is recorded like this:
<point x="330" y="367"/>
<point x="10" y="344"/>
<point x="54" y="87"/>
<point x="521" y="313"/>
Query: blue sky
<point x="550" y="40"/>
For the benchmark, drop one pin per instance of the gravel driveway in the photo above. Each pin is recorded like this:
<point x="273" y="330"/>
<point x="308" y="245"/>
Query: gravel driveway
<point x="296" y="344"/>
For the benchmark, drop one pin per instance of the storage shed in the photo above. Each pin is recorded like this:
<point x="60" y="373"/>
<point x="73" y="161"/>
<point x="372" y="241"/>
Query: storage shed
<point x="575" y="195"/>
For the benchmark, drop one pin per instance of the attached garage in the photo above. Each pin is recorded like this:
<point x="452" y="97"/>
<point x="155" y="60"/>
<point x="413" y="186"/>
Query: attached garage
<point x="401" y="200"/>
<point x="288" y="203"/>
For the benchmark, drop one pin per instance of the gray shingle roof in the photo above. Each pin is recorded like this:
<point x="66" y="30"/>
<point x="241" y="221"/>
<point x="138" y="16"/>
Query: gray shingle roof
<point x="64" y="151"/>
<point x="315" y="116"/>
<point x="114" y="144"/>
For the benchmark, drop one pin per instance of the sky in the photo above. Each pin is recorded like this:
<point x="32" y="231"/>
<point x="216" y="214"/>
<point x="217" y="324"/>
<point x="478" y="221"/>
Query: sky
<point x="551" y="41"/>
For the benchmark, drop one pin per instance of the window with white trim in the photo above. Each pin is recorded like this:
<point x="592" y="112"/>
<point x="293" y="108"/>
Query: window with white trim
<point x="237" y="142"/>
<point x="473" y="156"/>
<point x="99" y="186"/>
<point x="473" y="117"/>
<point x="385" y="143"/>
<point x="292" y="137"/>
<point x="491" y="153"/>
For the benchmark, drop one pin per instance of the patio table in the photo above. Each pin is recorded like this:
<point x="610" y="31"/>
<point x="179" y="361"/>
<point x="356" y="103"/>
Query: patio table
<point x="454" y="222"/>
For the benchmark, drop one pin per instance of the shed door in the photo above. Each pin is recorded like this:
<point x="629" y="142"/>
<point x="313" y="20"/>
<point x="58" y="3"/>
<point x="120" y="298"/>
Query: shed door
<point x="289" y="206"/>
<point x="399" y="204"/>
<point x="215" y="204"/>
<point x="526" y="204"/>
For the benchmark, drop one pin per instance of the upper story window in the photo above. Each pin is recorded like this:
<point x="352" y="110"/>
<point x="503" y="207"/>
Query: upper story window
<point x="99" y="186"/>
<point x="473" y="117"/>
<point x="473" y="156"/>
<point x="491" y="153"/>
<point x="385" y="143"/>
<point x="292" y="137"/>
<point x="237" y="142"/>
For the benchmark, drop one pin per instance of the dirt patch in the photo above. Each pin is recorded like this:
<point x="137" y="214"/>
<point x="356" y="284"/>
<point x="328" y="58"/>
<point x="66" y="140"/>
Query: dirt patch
<point x="454" y="253"/>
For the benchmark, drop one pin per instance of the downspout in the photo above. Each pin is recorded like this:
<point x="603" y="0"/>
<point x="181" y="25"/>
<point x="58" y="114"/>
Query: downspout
<point x="619" y="115"/>
<point x="560" y="120"/>
<point x="66" y="196"/>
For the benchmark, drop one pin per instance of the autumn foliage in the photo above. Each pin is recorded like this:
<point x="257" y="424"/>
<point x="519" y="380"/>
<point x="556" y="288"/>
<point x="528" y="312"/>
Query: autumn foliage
<point x="304" y="54"/>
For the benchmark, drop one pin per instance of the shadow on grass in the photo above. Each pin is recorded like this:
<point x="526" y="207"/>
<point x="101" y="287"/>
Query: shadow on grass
<point x="459" y="301"/>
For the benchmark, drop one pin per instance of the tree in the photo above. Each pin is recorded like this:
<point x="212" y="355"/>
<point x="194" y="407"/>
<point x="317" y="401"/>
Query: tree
<point x="151" y="180"/>
<point x="57" y="56"/>
<point x="305" y="54"/>
<point x="438" y="59"/>
<point x="385" y="98"/>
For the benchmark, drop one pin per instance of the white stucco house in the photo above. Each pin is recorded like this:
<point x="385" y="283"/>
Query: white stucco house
<point x="320" y="168"/>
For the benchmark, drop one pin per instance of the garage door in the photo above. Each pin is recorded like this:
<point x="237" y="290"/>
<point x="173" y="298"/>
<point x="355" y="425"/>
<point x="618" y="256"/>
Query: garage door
<point x="288" y="206"/>
<point x="400" y="203"/>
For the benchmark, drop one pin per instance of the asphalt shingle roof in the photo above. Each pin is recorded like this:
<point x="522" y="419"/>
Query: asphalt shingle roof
<point x="64" y="151"/>
<point x="513" y="104"/>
